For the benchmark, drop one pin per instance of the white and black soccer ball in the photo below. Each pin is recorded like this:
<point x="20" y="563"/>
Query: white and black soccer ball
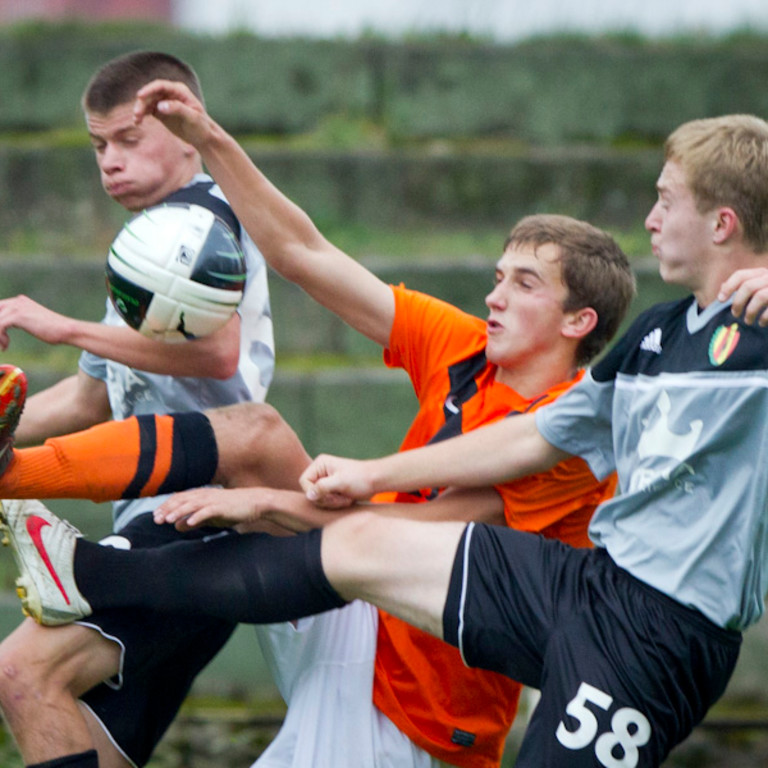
<point x="176" y="271"/>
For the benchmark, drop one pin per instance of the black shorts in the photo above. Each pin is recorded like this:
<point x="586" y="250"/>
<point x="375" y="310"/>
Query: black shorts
<point x="624" y="671"/>
<point x="162" y="655"/>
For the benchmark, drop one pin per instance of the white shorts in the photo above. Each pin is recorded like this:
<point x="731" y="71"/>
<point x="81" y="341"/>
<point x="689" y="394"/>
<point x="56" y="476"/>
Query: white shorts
<point x="323" y="667"/>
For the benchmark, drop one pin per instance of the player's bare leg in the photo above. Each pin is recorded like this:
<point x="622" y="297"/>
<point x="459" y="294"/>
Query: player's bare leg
<point x="402" y="566"/>
<point x="136" y="457"/>
<point x="43" y="671"/>
<point x="109" y="756"/>
<point x="256" y="447"/>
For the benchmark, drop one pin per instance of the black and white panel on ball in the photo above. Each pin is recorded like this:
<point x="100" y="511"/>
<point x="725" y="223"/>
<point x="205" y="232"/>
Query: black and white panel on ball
<point x="176" y="271"/>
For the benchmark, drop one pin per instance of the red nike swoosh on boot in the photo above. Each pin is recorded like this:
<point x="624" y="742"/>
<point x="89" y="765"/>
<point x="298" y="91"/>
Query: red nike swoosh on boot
<point x="35" y="525"/>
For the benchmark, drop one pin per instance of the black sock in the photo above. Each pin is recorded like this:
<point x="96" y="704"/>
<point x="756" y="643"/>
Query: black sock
<point x="249" y="578"/>
<point x="89" y="759"/>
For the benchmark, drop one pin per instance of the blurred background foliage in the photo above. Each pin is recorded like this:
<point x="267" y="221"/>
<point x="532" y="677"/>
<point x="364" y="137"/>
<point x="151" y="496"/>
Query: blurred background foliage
<point x="418" y="136"/>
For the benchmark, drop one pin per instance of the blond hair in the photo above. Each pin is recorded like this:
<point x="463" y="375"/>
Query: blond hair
<point x="725" y="162"/>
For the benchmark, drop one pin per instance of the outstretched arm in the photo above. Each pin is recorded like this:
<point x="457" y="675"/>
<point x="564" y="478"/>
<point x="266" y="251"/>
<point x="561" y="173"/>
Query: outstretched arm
<point x="285" y="235"/>
<point x="273" y="510"/>
<point x="502" y="451"/>
<point x="247" y="509"/>
<point x="214" y="356"/>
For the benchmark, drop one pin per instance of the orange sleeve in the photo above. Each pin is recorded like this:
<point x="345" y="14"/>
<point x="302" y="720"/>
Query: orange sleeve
<point x="428" y="334"/>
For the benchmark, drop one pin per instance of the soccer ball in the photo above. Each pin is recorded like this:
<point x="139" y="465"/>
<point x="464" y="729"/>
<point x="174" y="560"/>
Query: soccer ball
<point x="176" y="271"/>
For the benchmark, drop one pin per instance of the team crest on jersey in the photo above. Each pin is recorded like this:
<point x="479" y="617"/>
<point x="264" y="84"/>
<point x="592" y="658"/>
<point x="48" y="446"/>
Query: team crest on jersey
<point x="722" y="343"/>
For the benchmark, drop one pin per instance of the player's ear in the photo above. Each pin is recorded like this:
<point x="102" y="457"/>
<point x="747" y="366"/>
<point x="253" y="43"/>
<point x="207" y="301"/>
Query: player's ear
<point x="579" y="322"/>
<point x="726" y="222"/>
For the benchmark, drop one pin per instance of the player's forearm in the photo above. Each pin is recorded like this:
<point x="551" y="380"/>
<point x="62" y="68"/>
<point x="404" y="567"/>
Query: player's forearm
<point x="482" y="505"/>
<point x="214" y="356"/>
<point x="293" y="246"/>
<point x="291" y="510"/>
<point x="490" y="455"/>
<point x="277" y="225"/>
<point x="280" y="228"/>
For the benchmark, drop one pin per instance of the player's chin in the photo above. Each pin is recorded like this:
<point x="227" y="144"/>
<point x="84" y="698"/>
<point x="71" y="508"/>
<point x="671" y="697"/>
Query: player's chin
<point x="505" y="357"/>
<point x="135" y="203"/>
<point x="129" y="202"/>
<point x="673" y="274"/>
<point x="493" y="352"/>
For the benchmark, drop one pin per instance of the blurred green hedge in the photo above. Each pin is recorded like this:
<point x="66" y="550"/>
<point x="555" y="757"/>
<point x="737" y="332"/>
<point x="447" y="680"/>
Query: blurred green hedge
<point x="433" y="133"/>
<point x="51" y="200"/>
<point x="545" y="90"/>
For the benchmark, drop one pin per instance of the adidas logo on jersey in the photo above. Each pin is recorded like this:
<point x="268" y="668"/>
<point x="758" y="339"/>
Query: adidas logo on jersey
<point x="652" y="341"/>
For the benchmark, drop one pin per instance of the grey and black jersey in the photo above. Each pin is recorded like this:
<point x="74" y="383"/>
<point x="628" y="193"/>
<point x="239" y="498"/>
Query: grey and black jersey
<point x="679" y="408"/>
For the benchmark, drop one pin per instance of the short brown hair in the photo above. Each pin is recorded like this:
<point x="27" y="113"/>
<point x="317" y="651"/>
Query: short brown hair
<point x="725" y="161"/>
<point x="117" y="81"/>
<point x="594" y="270"/>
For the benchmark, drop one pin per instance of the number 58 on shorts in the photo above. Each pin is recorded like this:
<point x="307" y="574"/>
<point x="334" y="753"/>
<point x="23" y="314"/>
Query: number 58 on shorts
<point x="616" y="748"/>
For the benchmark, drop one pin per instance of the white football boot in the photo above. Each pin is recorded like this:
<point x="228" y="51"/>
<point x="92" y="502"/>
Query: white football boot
<point x="43" y="546"/>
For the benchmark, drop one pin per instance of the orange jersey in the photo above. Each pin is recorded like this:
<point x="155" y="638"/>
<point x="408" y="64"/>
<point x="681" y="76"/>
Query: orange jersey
<point x="462" y="715"/>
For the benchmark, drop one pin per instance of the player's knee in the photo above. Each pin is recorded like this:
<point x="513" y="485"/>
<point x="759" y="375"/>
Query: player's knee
<point x="263" y="423"/>
<point x="11" y="669"/>
<point x="38" y="664"/>
<point x="25" y="674"/>
<point x="245" y="427"/>
<point x="360" y="528"/>
<point x="349" y="545"/>
<point x="256" y="447"/>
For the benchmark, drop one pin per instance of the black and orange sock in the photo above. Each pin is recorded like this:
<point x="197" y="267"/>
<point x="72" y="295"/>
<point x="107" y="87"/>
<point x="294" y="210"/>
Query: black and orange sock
<point x="140" y="456"/>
